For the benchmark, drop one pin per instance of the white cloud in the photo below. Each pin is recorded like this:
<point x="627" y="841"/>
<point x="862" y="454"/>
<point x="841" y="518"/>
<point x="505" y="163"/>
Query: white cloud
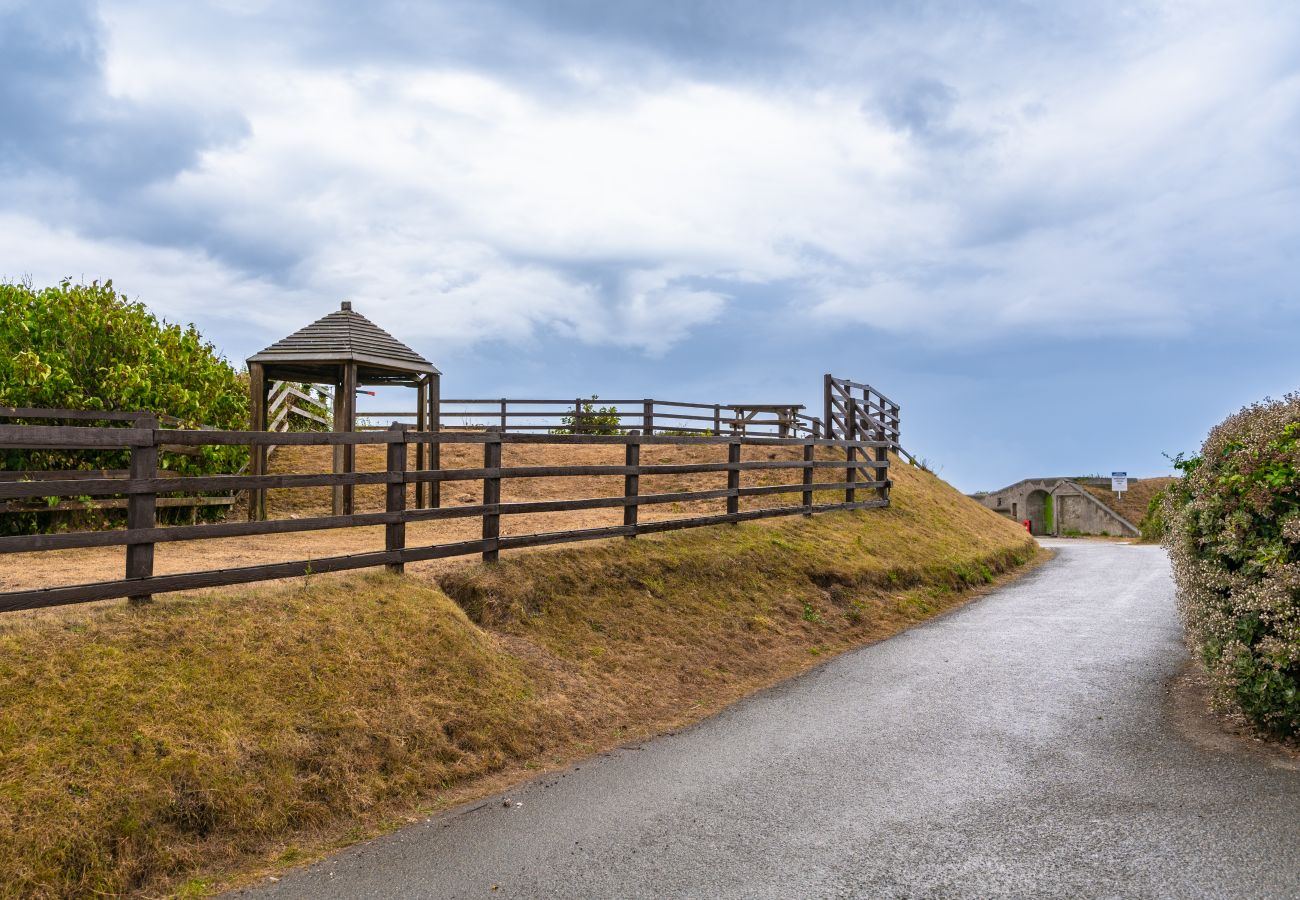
<point x="181" y="286"/>
<point x="1104" y="191"/>
<point x="1061" y="188"/>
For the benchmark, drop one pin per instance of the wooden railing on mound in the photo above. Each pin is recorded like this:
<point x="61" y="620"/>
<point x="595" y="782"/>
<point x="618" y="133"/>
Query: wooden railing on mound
<point x="144" y="485"/>
<point x="648" y="415"/>
<point x="854" y="410"/>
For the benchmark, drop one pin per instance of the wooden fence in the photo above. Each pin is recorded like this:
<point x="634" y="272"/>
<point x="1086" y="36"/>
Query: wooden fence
<point x="854" y="410"/>
<point x="138" y="419"/>
<point x="851" y="409"/>
<point x="582" y="415"/>
<point x="862" y="466"/>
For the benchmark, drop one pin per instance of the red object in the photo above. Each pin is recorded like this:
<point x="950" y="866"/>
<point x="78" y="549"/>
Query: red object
<point x="1028" y="527"/>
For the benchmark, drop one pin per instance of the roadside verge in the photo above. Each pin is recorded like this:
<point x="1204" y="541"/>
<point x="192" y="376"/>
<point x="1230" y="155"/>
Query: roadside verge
<point x="186" y="745"/>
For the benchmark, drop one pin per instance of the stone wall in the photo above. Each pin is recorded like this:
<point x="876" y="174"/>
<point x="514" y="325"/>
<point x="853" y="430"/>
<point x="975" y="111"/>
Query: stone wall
<point x="1074" y="509"/>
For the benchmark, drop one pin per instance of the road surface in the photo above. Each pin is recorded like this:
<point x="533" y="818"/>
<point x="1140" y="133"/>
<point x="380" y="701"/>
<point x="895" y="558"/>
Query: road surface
<point x="1021" y="746"/>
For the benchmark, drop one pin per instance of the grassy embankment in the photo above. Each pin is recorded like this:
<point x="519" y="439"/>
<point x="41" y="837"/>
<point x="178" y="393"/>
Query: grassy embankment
<point x="172" y="747"/>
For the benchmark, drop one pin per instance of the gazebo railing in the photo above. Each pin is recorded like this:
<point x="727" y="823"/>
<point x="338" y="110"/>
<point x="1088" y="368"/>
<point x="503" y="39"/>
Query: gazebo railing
<point x="287" y="398"/>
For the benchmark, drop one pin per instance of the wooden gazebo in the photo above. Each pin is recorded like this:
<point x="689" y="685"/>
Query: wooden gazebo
<point x="347" y="350"/>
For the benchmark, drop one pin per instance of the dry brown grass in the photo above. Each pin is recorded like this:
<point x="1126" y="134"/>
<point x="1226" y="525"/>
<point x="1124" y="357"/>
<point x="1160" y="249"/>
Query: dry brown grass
<point x="1133" y="505"/>
<point x="371" y="458"/>
<point x="173" y="746"/>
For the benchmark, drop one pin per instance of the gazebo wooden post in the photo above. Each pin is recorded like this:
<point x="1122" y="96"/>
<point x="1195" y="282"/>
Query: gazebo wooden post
<point x="340" y="416"/>
<point x="345" y="422"/>
<point x="421" y="424"/>
<point x="434" y="415"/>
<point x="257" y="390"/>
<point x="350" y="425"/>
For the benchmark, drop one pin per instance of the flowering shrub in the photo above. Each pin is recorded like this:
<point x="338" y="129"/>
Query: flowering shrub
<point x="1233" y="532"/>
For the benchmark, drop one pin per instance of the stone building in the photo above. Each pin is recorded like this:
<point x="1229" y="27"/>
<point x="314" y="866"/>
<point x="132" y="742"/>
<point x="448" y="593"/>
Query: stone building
<point x="1059" y="506"/>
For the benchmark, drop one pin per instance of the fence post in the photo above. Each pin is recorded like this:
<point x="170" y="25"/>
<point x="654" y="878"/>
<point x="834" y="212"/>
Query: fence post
<point x="647" y="417"/>
<point x="851" y="473"/>
<point x="828" y="424"/>
<point x="850" y="451"/>
<point x="345" y="455"/>
<point x="435" y="425"/>
<point x="717" y="419"/>
<point x="808" y="451"/>
<point x="733" y="478"/>
<point x="258" y="453"/>
<point x="421" y="425"/>
<point x="492" y="495"/>
<point x="395" y="497"/>
<point x="632" y="482"/>
<point x="503" y="414"/>
<point x="882" y="475"/>
<point x="141" y="510"/>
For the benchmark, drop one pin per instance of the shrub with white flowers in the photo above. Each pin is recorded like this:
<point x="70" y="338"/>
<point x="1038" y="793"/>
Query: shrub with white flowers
<point x="1233" y="532"/>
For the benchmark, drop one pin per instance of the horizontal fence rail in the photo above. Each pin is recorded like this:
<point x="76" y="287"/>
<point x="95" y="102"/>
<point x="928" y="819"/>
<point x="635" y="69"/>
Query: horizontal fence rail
<point x="858" y="475"/>
<point x="131" y="429"/>
<point x="582" y="415"/>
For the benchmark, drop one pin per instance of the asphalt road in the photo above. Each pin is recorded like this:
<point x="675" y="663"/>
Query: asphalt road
<point x="1022" y="746"/>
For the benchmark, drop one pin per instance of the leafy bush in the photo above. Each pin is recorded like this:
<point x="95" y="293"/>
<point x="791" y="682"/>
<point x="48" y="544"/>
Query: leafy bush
<point x="87" y="347"/>
<point x="594" y="420"/>
<point x="1233" y="531"/>
<point x="1152" y="525"/>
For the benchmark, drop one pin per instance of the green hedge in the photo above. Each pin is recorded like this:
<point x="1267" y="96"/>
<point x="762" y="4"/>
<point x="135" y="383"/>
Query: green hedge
<point x="1233" y="531"/>
<point x="1152" y="525"/>
<point x="85" y="346"/>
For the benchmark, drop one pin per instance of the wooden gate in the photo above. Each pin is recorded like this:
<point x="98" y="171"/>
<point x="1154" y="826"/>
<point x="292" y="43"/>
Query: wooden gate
<point x="856" y="411"/>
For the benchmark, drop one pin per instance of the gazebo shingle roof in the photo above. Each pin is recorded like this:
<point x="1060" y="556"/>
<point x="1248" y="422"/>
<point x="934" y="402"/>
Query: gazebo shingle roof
<point x="344" y="336"/>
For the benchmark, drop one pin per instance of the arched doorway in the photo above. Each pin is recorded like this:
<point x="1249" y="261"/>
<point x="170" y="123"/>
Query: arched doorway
<point x="1037" y="511"/>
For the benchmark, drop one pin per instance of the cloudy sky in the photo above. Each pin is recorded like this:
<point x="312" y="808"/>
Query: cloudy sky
<point x="1064" y="236"/>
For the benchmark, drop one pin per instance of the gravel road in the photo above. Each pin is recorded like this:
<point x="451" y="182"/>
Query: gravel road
<point x="1021" y="746"/>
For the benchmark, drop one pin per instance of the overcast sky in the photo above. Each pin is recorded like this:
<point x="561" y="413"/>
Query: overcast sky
<point x="1064" y="236"/>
